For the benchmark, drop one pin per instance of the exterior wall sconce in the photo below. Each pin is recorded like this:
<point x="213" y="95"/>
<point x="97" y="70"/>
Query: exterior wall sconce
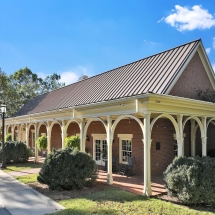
<point x="87" y="138"/>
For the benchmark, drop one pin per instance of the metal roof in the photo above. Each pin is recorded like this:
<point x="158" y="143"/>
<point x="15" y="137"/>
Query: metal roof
<point x="151" y="74"/>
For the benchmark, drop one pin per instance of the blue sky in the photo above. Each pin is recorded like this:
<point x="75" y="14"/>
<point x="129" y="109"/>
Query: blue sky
<point x="74" y="37"/>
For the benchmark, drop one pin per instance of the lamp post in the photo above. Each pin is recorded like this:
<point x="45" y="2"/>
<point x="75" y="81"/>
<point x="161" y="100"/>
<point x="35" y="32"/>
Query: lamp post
<point x="3" y="111"/>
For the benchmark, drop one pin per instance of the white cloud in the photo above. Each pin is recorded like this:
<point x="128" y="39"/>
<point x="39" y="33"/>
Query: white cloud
<point x="208" y="50"/>
<point x="214" y="42"/>
<point x="161" y="20"/>
<point x="189" y="19"/>
<point x="70" y="76"/>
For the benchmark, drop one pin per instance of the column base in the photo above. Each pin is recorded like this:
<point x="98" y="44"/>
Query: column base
<point x="109" y="179"/>
<point x="147" y="192"/>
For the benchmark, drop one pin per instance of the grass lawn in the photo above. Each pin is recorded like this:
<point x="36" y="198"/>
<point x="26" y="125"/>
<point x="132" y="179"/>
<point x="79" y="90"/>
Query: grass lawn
<point x="117" y="201"/>
<point x="22" y="166"/>
<point x="27" y="178"/>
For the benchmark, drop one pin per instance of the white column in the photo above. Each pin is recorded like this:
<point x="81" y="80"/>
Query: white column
<point x="109" y="151"/>
<point x="12" y="132"/>
<point x="48" y="138"/>
<point x="19" y="133"/>
<point x="36" y="149"/>
<point x="204" y="137"/>
<point x="180" y="138"/>
<point x="63" y="134"/>
<point x="82" y="137"/>
<point x="193" y="138"/>
<point x="147" y="156"/>
<point x="27" y="134"/>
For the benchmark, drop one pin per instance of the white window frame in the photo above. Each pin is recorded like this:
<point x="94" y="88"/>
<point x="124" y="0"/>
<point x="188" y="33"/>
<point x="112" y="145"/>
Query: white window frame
<point x="124" y="137"/>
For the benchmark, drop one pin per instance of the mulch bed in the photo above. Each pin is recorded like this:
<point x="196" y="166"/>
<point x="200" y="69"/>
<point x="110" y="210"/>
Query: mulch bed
<point x="57" y="195"/>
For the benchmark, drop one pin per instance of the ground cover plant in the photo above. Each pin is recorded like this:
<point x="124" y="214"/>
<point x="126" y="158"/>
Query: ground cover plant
<point x="67" y="169"/>
<point x="192" y="180"/>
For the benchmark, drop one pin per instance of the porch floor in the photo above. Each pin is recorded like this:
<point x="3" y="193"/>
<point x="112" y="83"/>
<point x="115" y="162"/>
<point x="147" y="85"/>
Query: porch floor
<point x="134" y="183"/>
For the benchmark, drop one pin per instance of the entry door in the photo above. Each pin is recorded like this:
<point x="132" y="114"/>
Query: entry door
<point x="100" y="147"/>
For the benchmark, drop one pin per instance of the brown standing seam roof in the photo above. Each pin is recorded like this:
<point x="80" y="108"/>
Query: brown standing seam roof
<point x="154" y="74"/>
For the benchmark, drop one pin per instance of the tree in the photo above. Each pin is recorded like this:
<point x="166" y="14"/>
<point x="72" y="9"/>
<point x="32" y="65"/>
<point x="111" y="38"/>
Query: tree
<point x="8" y="94"/>
<point x="51" y="83"/>
<point x="207" y="95"/>
<point x="22" y="86"/>
<point x="83" y="77"/>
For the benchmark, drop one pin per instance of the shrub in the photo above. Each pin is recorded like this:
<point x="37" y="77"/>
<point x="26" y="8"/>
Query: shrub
<point x="8" y="137"/>
<point x="67" y="169"/>
<point x="15" y="152"/>
<point x="72" y="142"/>
<point x="191" y="180"/>
<point x="42" y="142"/>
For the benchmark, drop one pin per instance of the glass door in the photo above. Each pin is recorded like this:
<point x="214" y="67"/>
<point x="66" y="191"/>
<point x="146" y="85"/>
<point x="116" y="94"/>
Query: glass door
<point x="100" y="151"/>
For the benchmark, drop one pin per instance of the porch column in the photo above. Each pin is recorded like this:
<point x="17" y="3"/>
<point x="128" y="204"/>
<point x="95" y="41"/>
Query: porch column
<point x="19" y="133"/>
<point x="12" y="132"/>
<point x="82" y="137"/>
<point x="109" y="151"/>
<point x="63" y="134"/>
<point x="193" y="138"/>
<point x="48" y="138"/>
<point x="27" y="135"/>
<point x="180" y="139"/>
<point x="147" y="157"/>
<point x="36" y="149"/>
<point x="204" y="138"/>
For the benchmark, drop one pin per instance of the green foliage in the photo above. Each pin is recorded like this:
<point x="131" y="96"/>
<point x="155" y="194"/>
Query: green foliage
<point x="67" y="169"/>
<point x="191" y="180"/>
<point x="72" y="142"/>
<point x="15" y="152"/>
<point x="207" y="95"/>
<point x="42" y="142"/>
<point x="16" y="89"/>
<point x="8" y="137"/>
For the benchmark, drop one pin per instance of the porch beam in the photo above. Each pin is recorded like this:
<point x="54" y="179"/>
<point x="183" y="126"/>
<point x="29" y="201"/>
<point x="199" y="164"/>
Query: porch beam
<point x="204" y="137"/>
<point x="180" y="138"/>
<point x="82" y="137"/>
<point x="193" y="138"/>
<point x="147" y="158"/>
<point x="109" y="146"/>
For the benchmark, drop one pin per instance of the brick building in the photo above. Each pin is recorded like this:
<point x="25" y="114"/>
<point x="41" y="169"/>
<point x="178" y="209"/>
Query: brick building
<point x="148" y="109"/>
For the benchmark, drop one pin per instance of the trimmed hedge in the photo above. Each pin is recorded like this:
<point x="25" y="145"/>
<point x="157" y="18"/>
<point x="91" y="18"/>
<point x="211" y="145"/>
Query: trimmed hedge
<point x="67" y="169"/>
<point x="15" y="152"/>
<point x="191" y="180"/>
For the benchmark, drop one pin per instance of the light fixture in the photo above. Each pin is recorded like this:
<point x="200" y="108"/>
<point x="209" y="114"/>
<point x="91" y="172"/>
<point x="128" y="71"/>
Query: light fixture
<point x="87" y="138"/>
<point x="3" y="111"/>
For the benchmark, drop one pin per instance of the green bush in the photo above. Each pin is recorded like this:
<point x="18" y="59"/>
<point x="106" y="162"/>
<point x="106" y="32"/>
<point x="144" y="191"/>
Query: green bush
<point x="67" y="169"/>
<point x="42" y="142"/>
<point x="72" y="142"/>
<point x="15" y="152"/>
<point x="8" y="137"/>
<point x="191" y="180"/>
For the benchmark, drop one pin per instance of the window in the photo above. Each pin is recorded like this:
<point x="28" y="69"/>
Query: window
<point x="125" y="147"/>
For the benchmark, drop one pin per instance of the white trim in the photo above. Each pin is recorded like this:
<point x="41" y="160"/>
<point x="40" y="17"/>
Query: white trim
<point x="123" y="137"/>
<point x="102" y="136"/>
<point x="130" y="136"/>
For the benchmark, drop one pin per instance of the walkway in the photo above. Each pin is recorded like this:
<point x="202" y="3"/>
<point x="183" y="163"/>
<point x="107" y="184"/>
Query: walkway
<point x="18" y="199"/>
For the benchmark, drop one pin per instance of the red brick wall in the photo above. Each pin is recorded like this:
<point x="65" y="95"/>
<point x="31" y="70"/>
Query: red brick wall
<point x="73" y="129"/>
<point x="56" y="140"/>
<point x="192" y="79"/>
<point x="42" y="130"/>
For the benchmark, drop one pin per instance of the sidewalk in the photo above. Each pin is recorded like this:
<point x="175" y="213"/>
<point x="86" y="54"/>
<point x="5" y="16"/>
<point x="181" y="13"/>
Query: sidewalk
<point x="18" y="199"/>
